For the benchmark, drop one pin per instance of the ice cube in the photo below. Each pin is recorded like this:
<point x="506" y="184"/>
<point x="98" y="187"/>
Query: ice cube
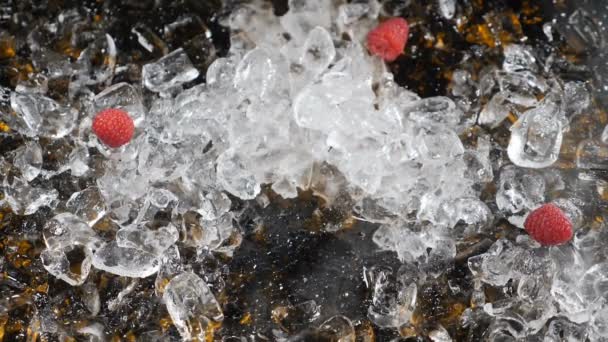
<point x="576" y="98"/>
<point x="169" y="72"/>
<point x="313" y="108"/>
<point x="152" y="241"/>
<point x="519" y="191"/>
<point x="56" y="262"/>
<point x="256" y="75"/>
<point x="162" y="198"/>
<point x="171" y="265"/>
<point x="519" y="58"/>
<point x="497" y="110"/>
<point x="121" y="96"/>
<point x="435" y="110"/>
<point x="28" y="159"/>
<point x="221" y="73"/>
<point x="536" y="138"/>
<point x="318" y="51"/>
<point x="125" y="262"/>
<point x="40" y="115"/>
<point x="191" y="305"/>
<point x="234" y="174"/>
<point x="79" y="161"/>
<point x="96" y="63"/>
<point x="37" y="83"/>
<point x="65" y="230"/>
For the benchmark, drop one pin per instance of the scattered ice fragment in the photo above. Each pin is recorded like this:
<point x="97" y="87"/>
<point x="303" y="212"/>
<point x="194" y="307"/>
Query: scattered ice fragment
<point x="447" y="8"/>
<point x="496" y="110"/>
<point x="296" y="317"/>
<point x="435" y="110"/>
<point x="594" y="283"/>
<point x="583" y="33"/>
<point x="149" y="40"/>
<point x="478" y="163"/>
<point x="471" y="213"/>
<point x="191" y="305"/>
<point x="56" y="262"/>
<point x="561" y="329"/>
<point x="393" y="296"/>
<point x="79" y="159"/>
<point x="214" y="204"/>
<point x="87" y="204"/>
<point x="337" y="328"/>
<point x="255" y="75"/>
<point x="576" y="98"/>
<point x="65" y="230"/>
<point x="143" y="238"/>
<point x="28" y="159"/>
<point x="169" y="72"/>
<point x="536" y="138"/>
<point x="215" y="231"/>
<point x="125" y="262"/>
<point x="221" y="73"/>
<point x="66" y="235"/>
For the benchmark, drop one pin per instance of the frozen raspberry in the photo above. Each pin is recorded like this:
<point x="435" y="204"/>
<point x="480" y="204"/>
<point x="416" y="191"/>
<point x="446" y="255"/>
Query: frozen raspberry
<point x="549" y="225"/>
<point x="114" y="127"/>
<point x="388" y="39"/>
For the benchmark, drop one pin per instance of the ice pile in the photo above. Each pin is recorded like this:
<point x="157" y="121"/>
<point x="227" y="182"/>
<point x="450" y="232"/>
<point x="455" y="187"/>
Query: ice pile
<point x="291" y="98"/>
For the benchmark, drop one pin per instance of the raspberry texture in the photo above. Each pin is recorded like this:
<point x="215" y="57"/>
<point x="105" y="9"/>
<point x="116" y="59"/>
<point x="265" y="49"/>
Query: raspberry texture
<point x="549" y="225"/>
<point x="388" y="39"/>
<point x="114" y="127"/>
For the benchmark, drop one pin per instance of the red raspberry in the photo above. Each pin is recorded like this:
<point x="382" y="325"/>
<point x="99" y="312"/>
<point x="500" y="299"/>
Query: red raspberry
<point x="388" y="39"/>
<point x="549" y="225"/>
<point x="114" y="127"/>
